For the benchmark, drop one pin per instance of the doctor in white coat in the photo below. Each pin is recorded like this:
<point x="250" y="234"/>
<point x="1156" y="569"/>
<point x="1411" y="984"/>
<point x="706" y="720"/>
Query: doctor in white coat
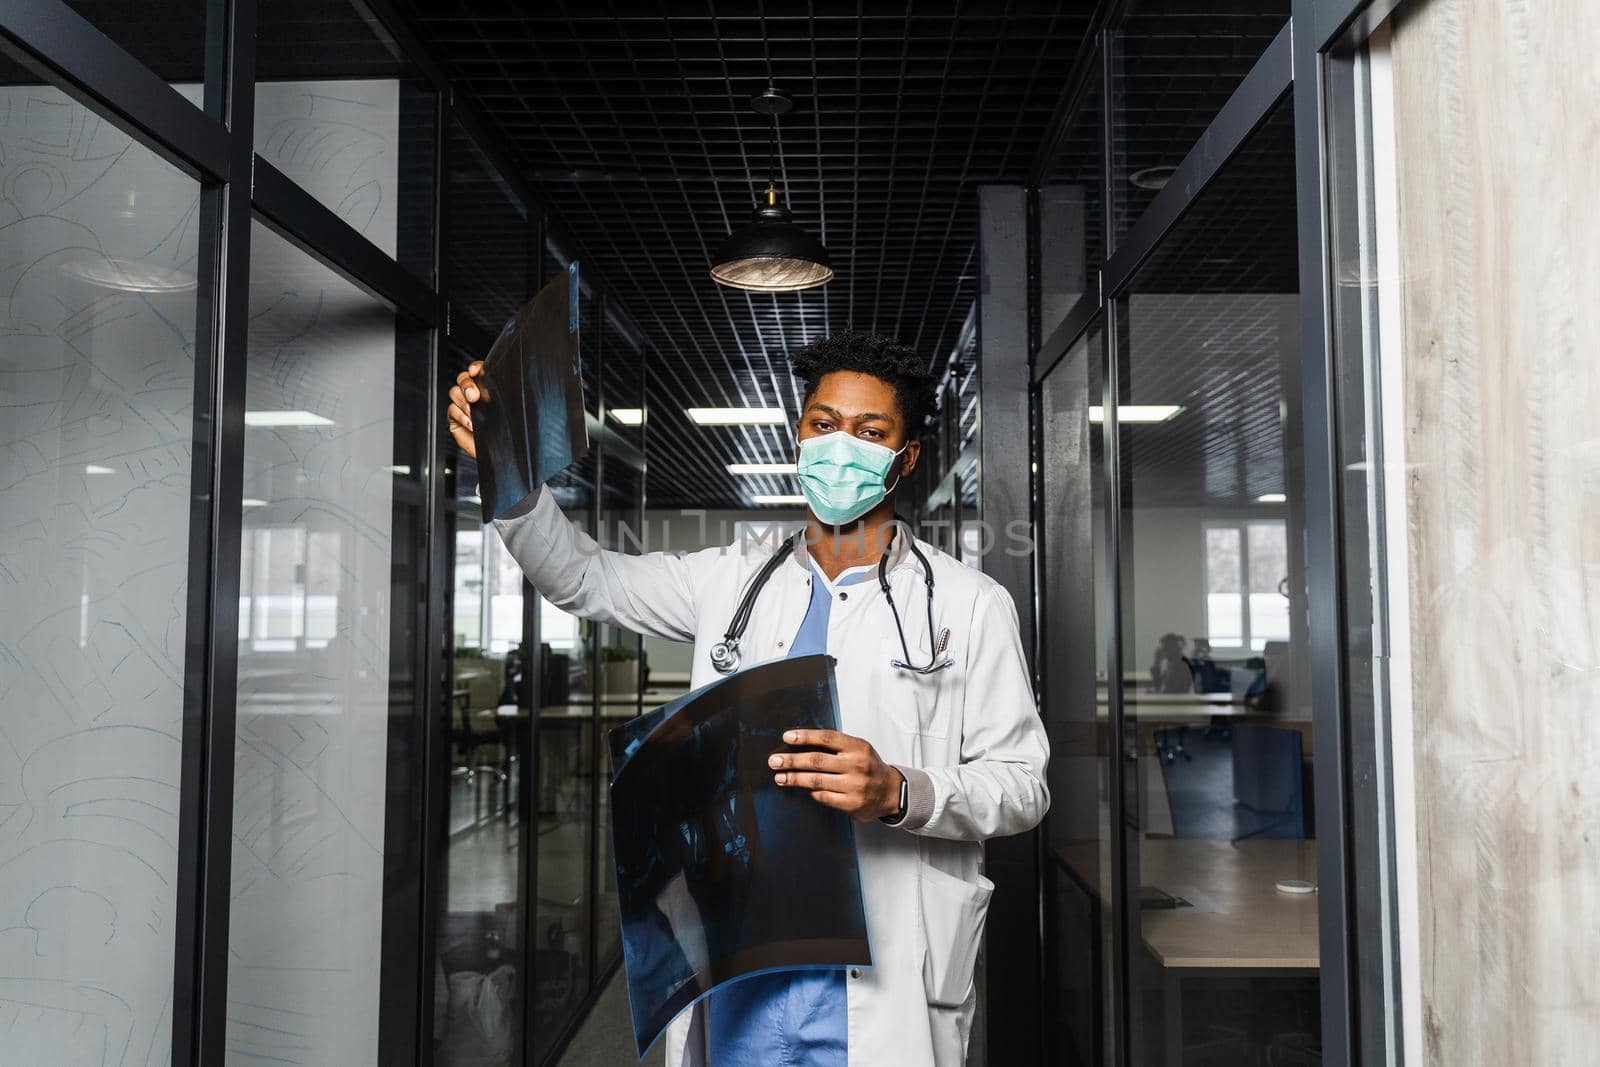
<point x="930" y="763"/>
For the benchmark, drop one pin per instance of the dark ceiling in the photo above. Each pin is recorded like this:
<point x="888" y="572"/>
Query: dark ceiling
<point x="633" y="122"/>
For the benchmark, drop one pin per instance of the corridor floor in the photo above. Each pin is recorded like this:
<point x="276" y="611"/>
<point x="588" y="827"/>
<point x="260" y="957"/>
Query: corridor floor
<point x="606" y="1037"/>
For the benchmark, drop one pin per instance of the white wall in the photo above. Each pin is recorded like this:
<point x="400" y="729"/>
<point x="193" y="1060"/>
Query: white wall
<point x="1498" y="471"/>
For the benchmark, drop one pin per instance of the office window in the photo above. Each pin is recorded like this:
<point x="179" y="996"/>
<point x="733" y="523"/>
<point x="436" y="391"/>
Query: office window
<point x="1224" y="966"/>
<point x="288" y="588"/>
<point x="100" y="293"/>
<point x="1080" y="898"/>
<point x="343" y="115"/>
<point x="314" y="699"/>
<point x="488" y="591"/>
<point x="488" y="732"/>
<point x="1245" y="568"/>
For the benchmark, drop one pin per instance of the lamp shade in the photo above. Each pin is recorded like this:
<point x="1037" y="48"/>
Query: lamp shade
<point x="771" y="255"/>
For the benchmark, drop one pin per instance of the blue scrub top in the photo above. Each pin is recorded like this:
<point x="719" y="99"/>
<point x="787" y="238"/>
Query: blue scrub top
<point x="787" y="1018"/>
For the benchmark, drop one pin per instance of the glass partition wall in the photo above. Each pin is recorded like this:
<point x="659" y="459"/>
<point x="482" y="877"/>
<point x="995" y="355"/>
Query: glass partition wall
<point x="274" y="696"/>
<point x="1183" y="904"/>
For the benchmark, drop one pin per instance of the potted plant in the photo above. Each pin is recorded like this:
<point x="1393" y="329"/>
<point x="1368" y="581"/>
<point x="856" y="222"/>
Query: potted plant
<point x="619" y="668"/>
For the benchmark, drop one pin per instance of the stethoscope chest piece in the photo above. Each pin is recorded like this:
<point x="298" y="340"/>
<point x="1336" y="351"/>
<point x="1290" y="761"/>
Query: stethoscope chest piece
<point x="725" y="656"/>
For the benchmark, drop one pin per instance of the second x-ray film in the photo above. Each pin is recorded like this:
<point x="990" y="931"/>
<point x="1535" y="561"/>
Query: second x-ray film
<point x="721" y="873"/>
<point x="533" y="425"/>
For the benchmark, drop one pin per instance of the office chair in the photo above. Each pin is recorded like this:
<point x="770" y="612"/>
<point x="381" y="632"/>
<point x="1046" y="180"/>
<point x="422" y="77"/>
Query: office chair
<point x="470" y="743"/>
<point x="1208" y="677"/>
<point x="1230" y="783"/>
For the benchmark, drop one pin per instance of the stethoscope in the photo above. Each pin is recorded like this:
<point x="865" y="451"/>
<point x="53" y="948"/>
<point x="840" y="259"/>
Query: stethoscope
<point x="725" y="653"/>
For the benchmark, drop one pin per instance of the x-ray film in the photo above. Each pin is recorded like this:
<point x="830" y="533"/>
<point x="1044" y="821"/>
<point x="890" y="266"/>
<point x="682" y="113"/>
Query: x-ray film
<point x="722" y="874"/>
<point x="532" y="426"/>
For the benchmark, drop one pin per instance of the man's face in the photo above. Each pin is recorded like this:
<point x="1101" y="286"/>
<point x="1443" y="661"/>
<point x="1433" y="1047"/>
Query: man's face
<point x="864" y="407"/>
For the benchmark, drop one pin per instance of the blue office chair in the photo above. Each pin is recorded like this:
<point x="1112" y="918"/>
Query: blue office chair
<point x="1233" y="782"/>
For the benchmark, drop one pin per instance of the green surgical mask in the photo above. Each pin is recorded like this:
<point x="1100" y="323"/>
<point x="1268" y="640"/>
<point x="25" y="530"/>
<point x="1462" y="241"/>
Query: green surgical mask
<point x="842" y="475"/>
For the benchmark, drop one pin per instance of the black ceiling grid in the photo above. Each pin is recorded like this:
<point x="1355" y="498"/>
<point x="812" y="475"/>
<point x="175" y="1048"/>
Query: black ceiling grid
<point x="632" y="122"/>
<point x="1177" y="63"/>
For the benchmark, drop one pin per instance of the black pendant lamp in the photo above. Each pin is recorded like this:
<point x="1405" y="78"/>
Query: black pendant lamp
<point x="771" y="254"/>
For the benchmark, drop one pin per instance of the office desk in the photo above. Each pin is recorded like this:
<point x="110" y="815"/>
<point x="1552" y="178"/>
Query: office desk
<point x="1241" y="924"/>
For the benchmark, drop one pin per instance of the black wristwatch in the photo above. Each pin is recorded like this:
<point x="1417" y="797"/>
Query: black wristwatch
<point x="905" y="800"/>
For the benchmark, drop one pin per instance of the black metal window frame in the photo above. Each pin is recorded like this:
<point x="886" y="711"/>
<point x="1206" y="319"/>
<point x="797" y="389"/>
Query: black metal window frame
<point x="1295" y="66"/>
<point x="215" y="144"/>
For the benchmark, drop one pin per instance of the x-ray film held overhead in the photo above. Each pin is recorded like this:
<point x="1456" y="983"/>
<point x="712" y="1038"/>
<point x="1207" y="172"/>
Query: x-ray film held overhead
<point x="533" y="426"/>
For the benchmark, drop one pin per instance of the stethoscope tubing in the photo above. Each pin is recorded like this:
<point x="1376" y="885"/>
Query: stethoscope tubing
<point x="725" y="653"/>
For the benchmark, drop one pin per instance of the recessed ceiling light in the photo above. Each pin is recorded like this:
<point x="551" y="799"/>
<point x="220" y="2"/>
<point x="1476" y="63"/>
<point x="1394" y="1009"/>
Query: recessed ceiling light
<point x="778" y="498"/>
<point x="736" y="416"/>
<point x="252" y="502"/>
<point x="1271" y="498"/>
<point x="1153" y="178"/>
<point x="1136" y="412"/>
<point x="95" y="468"/>
<point x="761" y="468"/>
<point x="285" y="418"/>
<point x="628" y="416"/>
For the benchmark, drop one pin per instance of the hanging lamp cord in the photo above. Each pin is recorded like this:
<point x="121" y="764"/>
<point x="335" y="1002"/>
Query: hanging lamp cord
<point x="772" y="160"/>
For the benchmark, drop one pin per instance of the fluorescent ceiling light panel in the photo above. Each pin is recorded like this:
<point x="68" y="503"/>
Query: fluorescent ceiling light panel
<point x="772" y="498"/>
<point x="737" y="416"/>
<point x="1272" y="498"/>
<point x="761" y="468"/>
<point x="628" y="416"/>
<point x="252" y="502"/>
<point x="285" y="418"/>
<point x="1136" y="412"/>
<point x="95" y="468"/>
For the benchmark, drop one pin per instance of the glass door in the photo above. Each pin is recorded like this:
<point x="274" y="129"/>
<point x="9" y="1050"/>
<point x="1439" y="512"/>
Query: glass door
<point x="1081" y="906"/>
<point x="1219" y="830"/>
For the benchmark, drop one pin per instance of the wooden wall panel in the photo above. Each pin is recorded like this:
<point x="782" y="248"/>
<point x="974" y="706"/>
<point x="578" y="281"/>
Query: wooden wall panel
<point x="1497" y="131"/>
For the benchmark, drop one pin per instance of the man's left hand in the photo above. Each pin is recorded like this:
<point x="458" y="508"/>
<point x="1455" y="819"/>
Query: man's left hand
<point x="849" y="776"/>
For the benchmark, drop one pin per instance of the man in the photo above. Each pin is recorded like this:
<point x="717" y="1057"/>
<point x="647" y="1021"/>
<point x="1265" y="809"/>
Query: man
<point x="929" y="764"/>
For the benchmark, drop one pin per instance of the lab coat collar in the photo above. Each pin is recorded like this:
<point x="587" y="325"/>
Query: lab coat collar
<point x="899" y="548"/>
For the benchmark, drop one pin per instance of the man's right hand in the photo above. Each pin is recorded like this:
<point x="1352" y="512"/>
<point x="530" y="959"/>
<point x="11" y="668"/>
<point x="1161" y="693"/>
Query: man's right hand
<point x="466" y="392"/>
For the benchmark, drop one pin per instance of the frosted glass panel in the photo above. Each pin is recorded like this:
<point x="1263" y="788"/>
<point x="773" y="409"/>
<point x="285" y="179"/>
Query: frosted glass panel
<point x="98" y="241"/>
<point x="340" y="140"/>
<point x="314" y="665"/>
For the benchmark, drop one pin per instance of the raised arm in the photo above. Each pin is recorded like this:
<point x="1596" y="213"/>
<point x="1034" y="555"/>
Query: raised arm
<point x="651" y="593"/>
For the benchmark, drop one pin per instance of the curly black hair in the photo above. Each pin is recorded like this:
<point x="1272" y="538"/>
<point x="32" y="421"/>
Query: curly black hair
<point x="915" y="388"/>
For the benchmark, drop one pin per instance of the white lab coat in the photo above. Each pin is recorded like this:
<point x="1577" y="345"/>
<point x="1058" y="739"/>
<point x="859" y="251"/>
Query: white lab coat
<point x="969" y="740"/>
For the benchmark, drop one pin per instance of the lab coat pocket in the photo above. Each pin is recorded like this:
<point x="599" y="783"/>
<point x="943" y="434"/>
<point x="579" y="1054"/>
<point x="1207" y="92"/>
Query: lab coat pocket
<point x="953" y="913"/>
<point x="910" y="699"/>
